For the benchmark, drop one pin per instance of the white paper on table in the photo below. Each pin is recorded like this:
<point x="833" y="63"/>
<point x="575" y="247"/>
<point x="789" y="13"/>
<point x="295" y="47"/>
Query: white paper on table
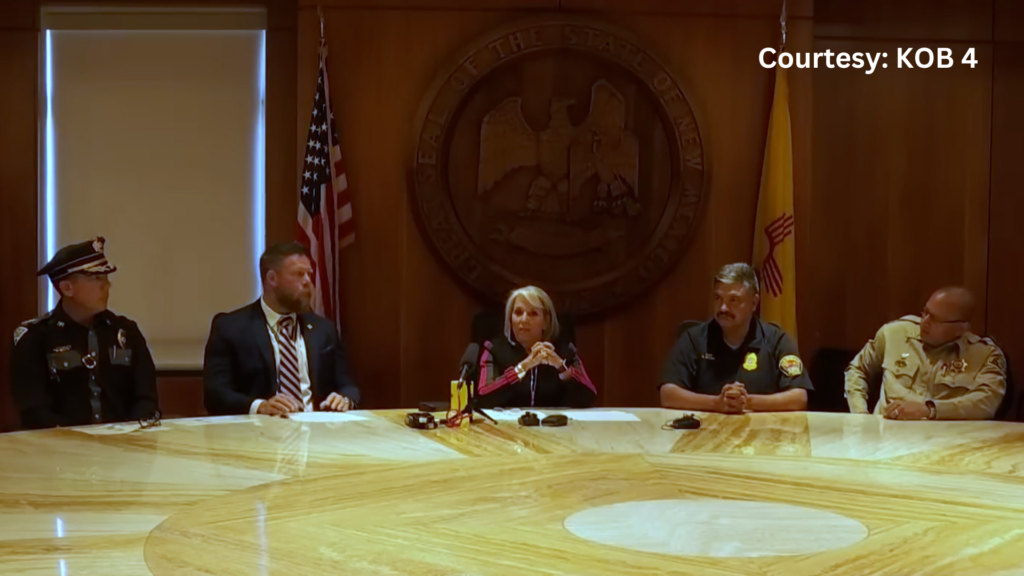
<point x="205" y="420"/>
<point x="602" y="416"/>
<point x="110" y="429"/>
<point x="326" y="417"/>
<point x="510" y="415"/>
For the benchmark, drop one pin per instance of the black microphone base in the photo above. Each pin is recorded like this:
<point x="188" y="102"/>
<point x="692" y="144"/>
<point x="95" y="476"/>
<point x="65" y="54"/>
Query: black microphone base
<point x="470" y="407"/>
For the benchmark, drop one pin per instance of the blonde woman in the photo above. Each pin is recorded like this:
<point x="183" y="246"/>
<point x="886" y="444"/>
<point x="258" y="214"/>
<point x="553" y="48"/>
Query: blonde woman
<point x="530" y="366"/>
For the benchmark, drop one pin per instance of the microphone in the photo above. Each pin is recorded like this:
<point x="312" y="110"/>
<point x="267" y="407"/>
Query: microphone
<point x="469" y="359"/>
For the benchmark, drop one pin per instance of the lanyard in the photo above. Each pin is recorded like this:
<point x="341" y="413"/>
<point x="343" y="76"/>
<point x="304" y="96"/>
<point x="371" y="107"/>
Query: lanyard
<point x="533" y="385"/>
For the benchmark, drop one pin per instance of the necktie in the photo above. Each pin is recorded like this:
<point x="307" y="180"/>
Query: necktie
<point x="288" y="369"/>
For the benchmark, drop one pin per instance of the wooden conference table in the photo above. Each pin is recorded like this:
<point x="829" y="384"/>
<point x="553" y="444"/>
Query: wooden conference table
<point x="764" y="494"/>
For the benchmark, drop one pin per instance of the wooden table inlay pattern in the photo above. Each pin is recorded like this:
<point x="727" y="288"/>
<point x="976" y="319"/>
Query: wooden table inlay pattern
<point x="254" y="495"/>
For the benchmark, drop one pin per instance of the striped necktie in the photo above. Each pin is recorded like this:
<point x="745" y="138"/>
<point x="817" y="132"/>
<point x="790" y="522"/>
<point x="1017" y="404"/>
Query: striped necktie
<point x="288" y="369"/>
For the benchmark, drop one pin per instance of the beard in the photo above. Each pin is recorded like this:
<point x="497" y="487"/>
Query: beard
<point x="295" y="302"/>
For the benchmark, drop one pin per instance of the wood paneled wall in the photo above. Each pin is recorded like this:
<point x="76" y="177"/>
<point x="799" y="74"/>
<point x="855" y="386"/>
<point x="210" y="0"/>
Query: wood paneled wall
<point x="901" y="166"/>
<point x="1006" y="206"/>
<point x="19" y="152"/>
<point x="917" y="172"/>
<point x="905" y="180"/>
<point x="408" y="317"/>
<point x="18" y="201"/>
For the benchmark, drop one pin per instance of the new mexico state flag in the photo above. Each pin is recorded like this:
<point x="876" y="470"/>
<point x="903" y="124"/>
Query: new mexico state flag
<point x="774" y="242"/>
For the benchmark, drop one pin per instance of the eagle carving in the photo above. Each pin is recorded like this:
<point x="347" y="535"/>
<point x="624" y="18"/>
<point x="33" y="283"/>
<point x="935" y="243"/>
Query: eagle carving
<point x="566" y="155"/>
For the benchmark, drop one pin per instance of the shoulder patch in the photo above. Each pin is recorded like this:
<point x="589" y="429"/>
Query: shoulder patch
<point x="20" y="331"/>
<point x="791" y="366"/>
<point x="1000" y="362"/>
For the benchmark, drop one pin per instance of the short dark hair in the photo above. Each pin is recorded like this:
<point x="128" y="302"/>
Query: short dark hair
<point x="56" y="283"/>
<point x="275" y="254"/>
<point x="739" y="273"/>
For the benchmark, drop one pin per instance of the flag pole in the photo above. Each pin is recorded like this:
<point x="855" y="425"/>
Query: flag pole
<point x="781" y="21"/>
<point x="323" y="40"/>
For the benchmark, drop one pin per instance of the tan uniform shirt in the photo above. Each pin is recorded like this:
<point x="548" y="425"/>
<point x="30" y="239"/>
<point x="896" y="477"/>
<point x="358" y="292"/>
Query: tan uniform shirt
<point x="965" y="379"/>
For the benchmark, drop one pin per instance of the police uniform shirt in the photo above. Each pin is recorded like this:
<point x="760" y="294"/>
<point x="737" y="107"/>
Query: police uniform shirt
<point x="67" y="374"/>
<point x="766" y="362"/>
<point x="965" y="379"/>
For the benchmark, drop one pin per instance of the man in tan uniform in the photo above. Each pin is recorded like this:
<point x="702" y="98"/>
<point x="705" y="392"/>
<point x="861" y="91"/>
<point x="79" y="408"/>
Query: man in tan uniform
<point x="931" y="367"/>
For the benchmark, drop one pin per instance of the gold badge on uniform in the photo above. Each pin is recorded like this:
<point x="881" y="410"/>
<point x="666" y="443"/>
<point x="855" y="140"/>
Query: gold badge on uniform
<point x="956" y="367"/>
<point x="62" y="349"/>
<point x="122" y="338"/>
<point x="750" y="362"/>
<point x="791" y="366"/>
<point x="18" y="333"/>
<point x="902" y="362"/>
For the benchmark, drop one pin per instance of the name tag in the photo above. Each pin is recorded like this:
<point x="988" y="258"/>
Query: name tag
<point x="64" y="360"/>
<point x="120" y="357"/>
<point x="958" y="366"/>
<point x="707" y="356"/>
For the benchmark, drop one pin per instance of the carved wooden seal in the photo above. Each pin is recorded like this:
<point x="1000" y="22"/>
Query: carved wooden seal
<point x="558" y="153"/>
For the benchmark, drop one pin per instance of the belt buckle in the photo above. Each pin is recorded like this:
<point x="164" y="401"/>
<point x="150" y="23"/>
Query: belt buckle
<point x="89" y="360"/>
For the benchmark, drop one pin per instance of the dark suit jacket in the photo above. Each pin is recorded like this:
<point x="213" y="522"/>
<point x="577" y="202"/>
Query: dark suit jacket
<point x="240" y="367"/>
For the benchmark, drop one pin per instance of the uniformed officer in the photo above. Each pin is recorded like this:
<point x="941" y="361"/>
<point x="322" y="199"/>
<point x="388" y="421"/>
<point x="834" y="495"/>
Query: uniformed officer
<point x="930" y="366"/>
<point x="80" y="363"/>
<point x="735" y="363"/>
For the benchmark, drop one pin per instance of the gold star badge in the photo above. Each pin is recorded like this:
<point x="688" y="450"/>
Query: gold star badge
<point x="958" y="366"/>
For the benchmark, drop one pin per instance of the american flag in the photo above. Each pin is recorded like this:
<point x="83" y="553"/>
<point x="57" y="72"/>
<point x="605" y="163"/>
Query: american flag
<point x="325" y="224"/>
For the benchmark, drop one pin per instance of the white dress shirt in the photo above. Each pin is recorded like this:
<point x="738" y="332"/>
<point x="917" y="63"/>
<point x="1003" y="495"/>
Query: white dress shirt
<point x="273" y="319"/>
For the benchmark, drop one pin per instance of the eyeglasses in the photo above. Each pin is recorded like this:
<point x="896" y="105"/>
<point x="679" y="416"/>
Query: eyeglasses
<point x="927" y="315"/>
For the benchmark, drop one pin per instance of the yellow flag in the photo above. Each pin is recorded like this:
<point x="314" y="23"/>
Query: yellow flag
<point x="774" y="241"/>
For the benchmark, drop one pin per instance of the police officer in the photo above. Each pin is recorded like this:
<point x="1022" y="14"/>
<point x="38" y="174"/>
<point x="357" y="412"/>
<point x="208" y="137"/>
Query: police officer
<point x="930" y="367"/>
<point x="80" y="363"/>
<point x="735" y="363"/>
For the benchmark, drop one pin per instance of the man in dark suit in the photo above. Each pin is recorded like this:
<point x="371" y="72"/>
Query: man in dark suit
<point x="274" y="356"/>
